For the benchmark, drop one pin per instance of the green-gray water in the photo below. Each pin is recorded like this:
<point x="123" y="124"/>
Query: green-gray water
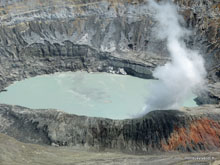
<point x="91" y="94"/>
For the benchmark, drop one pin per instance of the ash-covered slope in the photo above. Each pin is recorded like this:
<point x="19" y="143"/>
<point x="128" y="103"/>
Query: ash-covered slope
<point x="33" y="154"/>
<point x="109" y="35"/>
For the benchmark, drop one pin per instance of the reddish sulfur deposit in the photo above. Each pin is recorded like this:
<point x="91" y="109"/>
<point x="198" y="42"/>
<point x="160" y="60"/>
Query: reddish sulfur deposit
<point x="200" y="135"/>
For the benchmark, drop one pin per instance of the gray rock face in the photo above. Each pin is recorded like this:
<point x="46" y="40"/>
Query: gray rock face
<point x="106" y="36"/>
<point x="31" y="51"/>
<point x="157" y="131"/>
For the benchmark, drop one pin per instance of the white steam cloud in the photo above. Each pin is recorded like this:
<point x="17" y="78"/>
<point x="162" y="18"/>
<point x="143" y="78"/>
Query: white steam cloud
<point x="185" y="73"/>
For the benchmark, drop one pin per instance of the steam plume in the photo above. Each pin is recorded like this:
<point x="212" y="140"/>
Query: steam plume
<point x="185" y="73"/>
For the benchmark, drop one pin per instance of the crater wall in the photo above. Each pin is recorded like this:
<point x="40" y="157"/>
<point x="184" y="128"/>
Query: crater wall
<point x="42" y="37"/>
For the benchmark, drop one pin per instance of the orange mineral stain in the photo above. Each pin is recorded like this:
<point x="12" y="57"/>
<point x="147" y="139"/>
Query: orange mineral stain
<point x="203" y="131"/>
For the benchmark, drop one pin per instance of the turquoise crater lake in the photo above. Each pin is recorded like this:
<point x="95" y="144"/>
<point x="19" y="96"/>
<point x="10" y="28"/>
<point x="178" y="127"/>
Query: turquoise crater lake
<point x="81" y="93"/>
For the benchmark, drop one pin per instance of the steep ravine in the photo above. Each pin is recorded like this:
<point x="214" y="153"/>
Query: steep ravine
<point x="105" y="36"/>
